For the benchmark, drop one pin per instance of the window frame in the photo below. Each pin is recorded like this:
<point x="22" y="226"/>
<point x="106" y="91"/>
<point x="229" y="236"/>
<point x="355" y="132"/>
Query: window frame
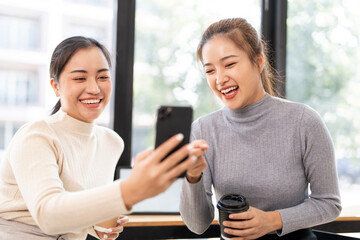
<point x="273" y="28"/>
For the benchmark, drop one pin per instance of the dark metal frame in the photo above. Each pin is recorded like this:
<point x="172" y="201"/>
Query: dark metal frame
<point x="273" y="29"/>
<point x="125" y="40"/>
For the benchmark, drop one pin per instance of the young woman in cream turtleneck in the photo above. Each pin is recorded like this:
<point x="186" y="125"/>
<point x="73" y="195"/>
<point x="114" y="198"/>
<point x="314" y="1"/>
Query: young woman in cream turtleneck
<point x="56" y="179"/>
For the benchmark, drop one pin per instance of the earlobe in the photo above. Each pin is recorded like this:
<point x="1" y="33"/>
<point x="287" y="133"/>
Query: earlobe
<point x="261" y="62"/>
<point x="55" y="86"/>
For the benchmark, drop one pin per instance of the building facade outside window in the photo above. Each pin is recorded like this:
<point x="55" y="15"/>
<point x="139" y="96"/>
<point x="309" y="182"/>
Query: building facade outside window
<point x="30" y="30"/>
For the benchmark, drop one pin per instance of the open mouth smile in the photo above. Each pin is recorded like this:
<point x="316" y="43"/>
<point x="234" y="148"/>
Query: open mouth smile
<point x="91" y="101"/>
<point x="230" y="92"/>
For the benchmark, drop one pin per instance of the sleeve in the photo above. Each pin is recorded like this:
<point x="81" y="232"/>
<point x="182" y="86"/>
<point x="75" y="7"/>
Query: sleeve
<point x="323" y="204"/>
<point x="196" y="206"/>
<point x="91" y="231"/>
<point x="55" y="210"/>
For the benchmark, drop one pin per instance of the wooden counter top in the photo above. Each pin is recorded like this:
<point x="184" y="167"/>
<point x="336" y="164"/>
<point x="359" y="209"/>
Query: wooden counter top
<point x="175" y="220"/>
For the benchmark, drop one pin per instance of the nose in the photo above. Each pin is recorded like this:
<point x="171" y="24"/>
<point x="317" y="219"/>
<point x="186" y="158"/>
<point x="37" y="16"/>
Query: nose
<point x="92" y="86"/>
<point x="221" y="77"/>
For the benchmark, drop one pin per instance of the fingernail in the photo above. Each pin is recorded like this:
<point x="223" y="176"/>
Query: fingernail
<point x="190" y="147"/>
<point x="194" y="158"/>
<point x="105" y="236"/>
<point x="180" y="137"/>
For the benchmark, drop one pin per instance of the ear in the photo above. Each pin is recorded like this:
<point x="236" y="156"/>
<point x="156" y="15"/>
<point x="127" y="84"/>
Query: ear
<point x="55" y="86"/>
<point x="261" y="62"/>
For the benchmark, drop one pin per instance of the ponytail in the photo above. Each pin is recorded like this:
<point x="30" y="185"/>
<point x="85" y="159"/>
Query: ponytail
<point x="56" y="107"/>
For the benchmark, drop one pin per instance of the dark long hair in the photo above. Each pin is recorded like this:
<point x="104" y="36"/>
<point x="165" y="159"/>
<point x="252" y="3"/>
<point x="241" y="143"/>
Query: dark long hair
<point x="64" y="52"/>
<point x="245" y="38"/>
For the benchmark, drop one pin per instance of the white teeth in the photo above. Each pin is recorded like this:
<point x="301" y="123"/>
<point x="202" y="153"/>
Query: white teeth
<point x="228" y="90"/>
<point x="91" y="101"/>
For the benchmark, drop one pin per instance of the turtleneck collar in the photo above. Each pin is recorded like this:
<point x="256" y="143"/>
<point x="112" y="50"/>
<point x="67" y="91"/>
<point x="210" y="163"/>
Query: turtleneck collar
<point x="71" y="124"/>
<point x="250" y="112"/>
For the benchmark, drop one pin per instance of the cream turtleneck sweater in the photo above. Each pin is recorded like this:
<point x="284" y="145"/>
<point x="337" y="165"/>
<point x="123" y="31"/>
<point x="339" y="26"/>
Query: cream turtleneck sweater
<point x="58" y="174"/>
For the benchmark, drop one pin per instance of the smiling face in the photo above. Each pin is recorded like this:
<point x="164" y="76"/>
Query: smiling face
<point x="230" y="73"/>
<point x="84" y="85"/>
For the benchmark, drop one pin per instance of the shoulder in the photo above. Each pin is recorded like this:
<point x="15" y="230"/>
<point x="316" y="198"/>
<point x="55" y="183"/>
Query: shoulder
<point x="33" y="136"/>
<point x="295" y="109"/>
<point x="40" y="127"/>
<point x="307" y="116"/>
<point x="287" y="105"/>
<point x="206" y="123"/>
<point x="208" y="119"/>
<point x="108" y="135"/>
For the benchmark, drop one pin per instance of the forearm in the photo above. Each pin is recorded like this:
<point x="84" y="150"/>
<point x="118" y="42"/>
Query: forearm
<point x="70" y="211"/>
<point x="196" y="209"/>
<point x="308" y="214"/>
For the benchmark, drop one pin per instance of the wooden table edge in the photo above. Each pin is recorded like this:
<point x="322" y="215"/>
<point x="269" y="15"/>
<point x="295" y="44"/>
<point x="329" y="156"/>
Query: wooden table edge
<point x="176" y="220"/>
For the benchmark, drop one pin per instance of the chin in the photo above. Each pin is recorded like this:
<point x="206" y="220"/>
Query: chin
<point x="90" y="117"/>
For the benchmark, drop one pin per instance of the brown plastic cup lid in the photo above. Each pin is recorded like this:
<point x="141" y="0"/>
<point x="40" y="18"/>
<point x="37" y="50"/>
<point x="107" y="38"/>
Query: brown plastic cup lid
<point x="233" y="203"/>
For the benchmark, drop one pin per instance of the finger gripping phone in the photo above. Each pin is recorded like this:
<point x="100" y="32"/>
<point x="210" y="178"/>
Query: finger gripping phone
<point x="172" y="120"/>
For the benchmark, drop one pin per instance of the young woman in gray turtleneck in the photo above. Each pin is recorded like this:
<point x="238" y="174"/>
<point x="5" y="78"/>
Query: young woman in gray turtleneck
<point x="277" y="153"/>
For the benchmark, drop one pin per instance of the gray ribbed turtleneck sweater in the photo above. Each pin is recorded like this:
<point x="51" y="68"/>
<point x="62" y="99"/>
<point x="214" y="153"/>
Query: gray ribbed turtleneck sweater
<point x="270" y="152"/>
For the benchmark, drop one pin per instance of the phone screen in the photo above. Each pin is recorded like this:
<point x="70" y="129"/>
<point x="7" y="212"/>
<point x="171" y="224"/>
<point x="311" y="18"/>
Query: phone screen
<point x="172" y="120"/>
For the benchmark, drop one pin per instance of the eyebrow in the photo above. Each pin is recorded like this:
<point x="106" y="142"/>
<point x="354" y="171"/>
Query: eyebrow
<point x="221" y="60"/>
<point x="83" y="71"/>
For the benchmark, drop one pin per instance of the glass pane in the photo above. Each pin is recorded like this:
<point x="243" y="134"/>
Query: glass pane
<point x="322" y="54"/>
<point x="3" y="87"/>
<point x="165" y="68"/>
<point x="18" y="87"/>
<point x="19" y="32"/>
<point x="97" y="2"/>
<point x="2" y="136"/>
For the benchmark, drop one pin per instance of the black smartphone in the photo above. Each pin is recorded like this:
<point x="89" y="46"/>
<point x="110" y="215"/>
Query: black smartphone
<point x="172" y="120"/>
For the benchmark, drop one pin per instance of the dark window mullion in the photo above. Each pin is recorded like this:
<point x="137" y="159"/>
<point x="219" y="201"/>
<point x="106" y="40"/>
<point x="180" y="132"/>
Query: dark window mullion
<point x="123" y="90"/>
<point x="273" y="29"/>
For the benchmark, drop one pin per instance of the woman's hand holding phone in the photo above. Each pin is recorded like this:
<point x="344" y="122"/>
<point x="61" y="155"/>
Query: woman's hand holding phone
<point x="151" y="175"/>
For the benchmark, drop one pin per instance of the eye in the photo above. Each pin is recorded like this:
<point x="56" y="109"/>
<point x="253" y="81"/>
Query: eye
<point x="230" y="64"/>
<point x="209" y="71"/>
<point x="104" y="77"/>
<point x="80" y="78"/>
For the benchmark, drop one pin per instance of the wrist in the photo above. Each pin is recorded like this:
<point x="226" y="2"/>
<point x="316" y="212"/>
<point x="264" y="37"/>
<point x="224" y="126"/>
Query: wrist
<point x="193" y="179"/>
<point x="128" y="194"/>
<point x="276" y="221"/>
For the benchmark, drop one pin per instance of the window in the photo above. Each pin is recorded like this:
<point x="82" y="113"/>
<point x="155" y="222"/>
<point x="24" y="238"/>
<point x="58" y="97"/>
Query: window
<point x="19" y="32"/>
<point x="18" y="87"/>
<point x="95" y="2"/>
<point x="322" y="55"/>
<point x="165" y="68"/>
<point x="7" y="130"/>
<point x="2" y="136"/>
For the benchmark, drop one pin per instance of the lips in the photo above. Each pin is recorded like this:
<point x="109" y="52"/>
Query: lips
<point x="229" y="92"/>
<point x="91" y="101"/>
